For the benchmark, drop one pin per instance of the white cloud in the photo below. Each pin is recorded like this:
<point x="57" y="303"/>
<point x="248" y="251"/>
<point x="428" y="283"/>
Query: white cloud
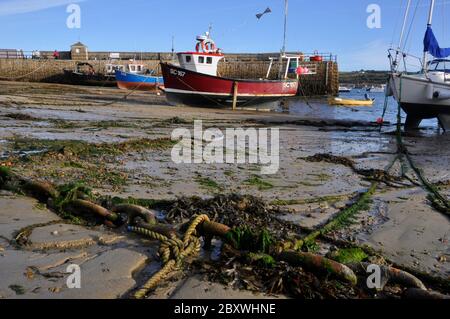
<point x="12" y="7"/>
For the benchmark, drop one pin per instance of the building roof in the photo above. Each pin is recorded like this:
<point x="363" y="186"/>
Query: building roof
<point x="78" y="44"/>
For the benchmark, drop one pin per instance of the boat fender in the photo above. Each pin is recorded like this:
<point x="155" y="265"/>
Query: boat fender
<point x="430" y="91"/>
<point x="439" y="95"/>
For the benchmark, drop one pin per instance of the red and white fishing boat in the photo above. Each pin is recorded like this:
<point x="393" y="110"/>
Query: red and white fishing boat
<point x="195" y="81"/>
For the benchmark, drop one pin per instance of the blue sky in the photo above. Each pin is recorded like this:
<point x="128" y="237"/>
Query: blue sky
<point x="148" y="25"/>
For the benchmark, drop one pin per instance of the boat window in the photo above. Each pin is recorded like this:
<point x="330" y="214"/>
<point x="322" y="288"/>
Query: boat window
<point x="440" y="66"/>
<point x="188" y="59"/>
<point x="201" y="59"/>
<point x="209" y="60"/>
<point x="132" y="68"/>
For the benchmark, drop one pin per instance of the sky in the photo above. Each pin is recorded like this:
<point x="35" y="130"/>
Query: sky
<point x="339" y="27"/>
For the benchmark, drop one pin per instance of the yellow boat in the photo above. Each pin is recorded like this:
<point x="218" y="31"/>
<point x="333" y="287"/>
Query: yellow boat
<point x="348" y="102"/>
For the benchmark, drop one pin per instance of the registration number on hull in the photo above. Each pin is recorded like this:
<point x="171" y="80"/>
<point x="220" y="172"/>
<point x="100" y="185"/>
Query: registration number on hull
<point x="177" y="73"/>
<point x="288" y="85"/>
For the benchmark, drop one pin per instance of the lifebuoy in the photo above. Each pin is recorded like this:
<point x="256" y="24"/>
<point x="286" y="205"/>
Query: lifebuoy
<point x="197" y="47"/>
<point x="207" y="46"/>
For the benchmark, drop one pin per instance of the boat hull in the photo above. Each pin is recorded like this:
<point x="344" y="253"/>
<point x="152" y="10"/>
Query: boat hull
<point x="349" y="102"/>
<point x="196" y="89"/>
<point x="130" y="81"/>
<point x="89" y="80"/>
<point x="416" y="99"/>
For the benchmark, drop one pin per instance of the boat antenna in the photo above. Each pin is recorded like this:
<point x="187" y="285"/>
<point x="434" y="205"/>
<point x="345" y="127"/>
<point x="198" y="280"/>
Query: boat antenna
<point x="285" y="26"/>
<point x="173" y="47"/>
<point x="430" y="21"/>
<point x="209" y="30"/>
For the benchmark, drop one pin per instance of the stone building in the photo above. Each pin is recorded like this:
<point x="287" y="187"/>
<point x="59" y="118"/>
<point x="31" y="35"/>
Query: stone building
<point x="79" y="51"/>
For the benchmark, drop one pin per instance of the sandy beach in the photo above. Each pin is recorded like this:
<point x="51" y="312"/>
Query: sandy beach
<point x="47" y="133"/>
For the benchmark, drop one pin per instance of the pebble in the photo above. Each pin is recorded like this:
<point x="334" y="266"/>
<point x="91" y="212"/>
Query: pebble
<point x="54" y="289"/>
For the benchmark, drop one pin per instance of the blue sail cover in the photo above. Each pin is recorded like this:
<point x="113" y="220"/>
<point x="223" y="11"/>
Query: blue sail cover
<point x="432" y="46"/>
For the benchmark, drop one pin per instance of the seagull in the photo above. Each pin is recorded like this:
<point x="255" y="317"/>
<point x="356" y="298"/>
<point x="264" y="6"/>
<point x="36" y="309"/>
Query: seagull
<point x="259" y="15"/>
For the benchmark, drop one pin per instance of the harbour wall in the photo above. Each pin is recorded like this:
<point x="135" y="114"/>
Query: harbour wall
<point x="324" y="79"/>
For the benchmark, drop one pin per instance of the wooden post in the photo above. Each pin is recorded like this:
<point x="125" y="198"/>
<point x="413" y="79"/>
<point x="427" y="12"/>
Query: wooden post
<point x="235" y="94"/>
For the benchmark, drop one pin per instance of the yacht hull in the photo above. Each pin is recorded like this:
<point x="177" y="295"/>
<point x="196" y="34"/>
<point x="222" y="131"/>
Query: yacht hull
<point x="417" y="97"/>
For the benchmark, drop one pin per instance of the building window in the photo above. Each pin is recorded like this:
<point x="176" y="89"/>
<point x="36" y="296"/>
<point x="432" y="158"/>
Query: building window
<point x="188" y="58"/>
<point x="201" y="59"/>
<point x="209" y="60"/>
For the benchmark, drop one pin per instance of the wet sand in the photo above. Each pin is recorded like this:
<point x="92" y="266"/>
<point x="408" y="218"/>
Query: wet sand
<point x="400" y="222"/>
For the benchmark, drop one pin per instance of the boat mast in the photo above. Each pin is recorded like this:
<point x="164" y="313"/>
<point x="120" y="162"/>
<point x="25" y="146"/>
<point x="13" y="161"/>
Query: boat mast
<point x="283" y="50"/>
<point x="285" y="26"/>
<point x="399" y="47"/>
<point x="430" y="21"/>
<point x="405" y="20"/>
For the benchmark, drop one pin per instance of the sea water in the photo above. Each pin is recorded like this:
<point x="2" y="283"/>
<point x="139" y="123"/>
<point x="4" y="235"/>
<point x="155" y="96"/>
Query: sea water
<point x="320" y="109"/>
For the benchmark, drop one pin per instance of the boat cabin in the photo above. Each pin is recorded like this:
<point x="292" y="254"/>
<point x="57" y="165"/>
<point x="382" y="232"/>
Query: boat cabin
<point x="439" y="70"/>
<point x="290" y="64"/>
<point x="136" y="68"/>
<point x="204" y="59"/>
<point x="110" y="69"/>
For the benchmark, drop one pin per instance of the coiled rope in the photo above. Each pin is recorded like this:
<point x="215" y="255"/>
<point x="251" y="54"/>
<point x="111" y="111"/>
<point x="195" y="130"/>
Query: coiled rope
<point x="172" y="251"/>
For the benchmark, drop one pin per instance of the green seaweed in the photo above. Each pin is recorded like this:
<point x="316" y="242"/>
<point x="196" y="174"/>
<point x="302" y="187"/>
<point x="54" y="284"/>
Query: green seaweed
<point x="85" y="149"/>
<point x="245" y="238"/>
<point x="19" y="290"/>
<point x="349" y="255"/>
<point x="263" y="260"/>
<point x="257" y="181"/>
<point x="345" y="217"/>
<point x="287" y="202"/>
<point x="208" y="183"/>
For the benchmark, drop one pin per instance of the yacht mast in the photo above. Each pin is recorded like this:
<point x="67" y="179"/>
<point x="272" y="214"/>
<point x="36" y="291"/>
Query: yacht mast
<point x="283" y="50"/>
<point x="430" y="21"/>
<point x="405" y="20"/>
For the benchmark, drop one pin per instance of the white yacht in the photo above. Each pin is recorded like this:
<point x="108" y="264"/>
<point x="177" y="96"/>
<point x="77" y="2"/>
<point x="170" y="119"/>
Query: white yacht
<point x="424" y="94"/>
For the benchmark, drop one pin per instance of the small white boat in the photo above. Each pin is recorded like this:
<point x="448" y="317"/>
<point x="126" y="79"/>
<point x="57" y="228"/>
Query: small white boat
<point x="377" y="89"/>
<point x="344" y="89"/>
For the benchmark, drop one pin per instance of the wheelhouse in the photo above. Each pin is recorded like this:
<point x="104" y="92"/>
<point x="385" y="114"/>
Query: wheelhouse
<point x="136" y="68"/>
<point x="204" y="59"/>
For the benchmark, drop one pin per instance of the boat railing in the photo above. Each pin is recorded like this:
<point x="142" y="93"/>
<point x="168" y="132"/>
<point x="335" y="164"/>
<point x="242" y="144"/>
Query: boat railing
<point x="323" y="57"/>
<point x="402" y="62"/>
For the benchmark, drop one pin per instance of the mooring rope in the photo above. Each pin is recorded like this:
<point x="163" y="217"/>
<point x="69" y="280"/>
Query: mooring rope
<point x="172" y="251"/>
<point x="436" y="197"/>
